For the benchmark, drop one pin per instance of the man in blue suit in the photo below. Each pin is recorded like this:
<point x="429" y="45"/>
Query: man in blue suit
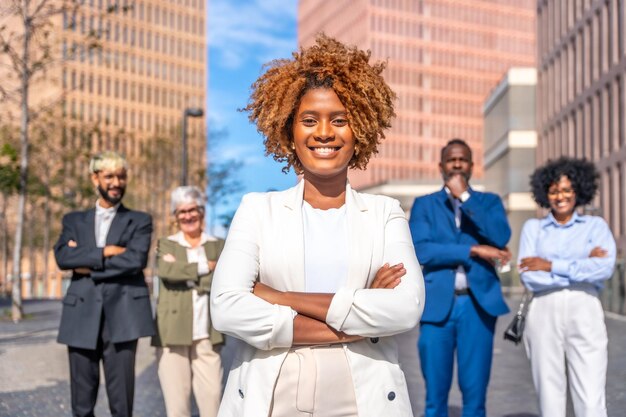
<point x="459" y="236"/>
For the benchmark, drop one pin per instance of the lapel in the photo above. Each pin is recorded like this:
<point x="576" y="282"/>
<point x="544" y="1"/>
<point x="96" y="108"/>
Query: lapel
<point x="292" y="234"/>
<point x="89" y="231"/>
<point x="118" y="225"/>
<point x="448" y="210"/>
<point x="360" y="239"/>
<point x="210" y="250"/>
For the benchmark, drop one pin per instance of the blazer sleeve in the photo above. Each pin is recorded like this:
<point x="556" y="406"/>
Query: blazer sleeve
<point x="81" y="256"/>
<point x="489" y="217"/>
<point x="135" y="258"/>
<point x="430" y="252"/>
<point x="177" y="271"/>
<point x="383" y="312"/>
<point x="235" y="310"/>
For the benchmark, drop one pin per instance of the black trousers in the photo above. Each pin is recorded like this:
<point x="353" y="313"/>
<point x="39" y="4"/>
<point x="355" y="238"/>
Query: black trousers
<point x="118" y="360"/>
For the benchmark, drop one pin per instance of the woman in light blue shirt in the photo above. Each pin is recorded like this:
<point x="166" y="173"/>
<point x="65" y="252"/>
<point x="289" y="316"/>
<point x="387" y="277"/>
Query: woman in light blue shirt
<point x="564" y="259"/>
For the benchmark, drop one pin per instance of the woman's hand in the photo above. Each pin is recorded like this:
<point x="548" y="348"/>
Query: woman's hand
<point x="168" y="257"/>
<point x="535" y="263"/>
<point x="598" y="252"/>
<point x="267" y="293"/>
<point x="388" y="276"/>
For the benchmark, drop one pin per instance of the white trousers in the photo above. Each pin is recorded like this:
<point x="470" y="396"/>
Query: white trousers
<point x="183" y="368"/>
<point x="314" y="382"/>
<point x="565" y="338"/>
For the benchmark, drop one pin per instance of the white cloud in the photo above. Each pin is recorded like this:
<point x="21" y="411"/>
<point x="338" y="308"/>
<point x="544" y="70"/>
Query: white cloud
<point x="253" y="29"/>
<point x="249" y="154"/>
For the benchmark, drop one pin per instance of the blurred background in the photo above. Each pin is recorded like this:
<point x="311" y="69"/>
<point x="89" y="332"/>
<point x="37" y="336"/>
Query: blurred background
<point x="522" y="81"/>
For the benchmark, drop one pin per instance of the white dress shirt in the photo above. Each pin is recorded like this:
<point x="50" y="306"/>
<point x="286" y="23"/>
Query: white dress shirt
<point x="460" y="278"/>
<point x="104" y="218"/>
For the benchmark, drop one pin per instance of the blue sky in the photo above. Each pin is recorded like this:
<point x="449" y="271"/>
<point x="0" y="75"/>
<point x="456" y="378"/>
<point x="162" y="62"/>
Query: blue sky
<point x="242" y="36"/>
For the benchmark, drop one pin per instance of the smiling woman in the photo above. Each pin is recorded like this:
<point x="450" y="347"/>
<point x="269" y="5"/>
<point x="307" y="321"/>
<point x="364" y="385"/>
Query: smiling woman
<point x="318" y="279"/>
<point x="185" y="340"/>
<point x="564" y="259"/>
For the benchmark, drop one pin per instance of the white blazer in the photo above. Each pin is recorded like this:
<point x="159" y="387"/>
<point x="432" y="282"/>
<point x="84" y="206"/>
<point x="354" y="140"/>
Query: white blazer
<point x="266" y="242"/>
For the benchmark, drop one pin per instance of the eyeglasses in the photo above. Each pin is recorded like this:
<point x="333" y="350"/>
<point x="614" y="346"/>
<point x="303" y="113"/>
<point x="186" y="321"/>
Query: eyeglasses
<point x="566" y="192"/>
<point x="192" y="212"/>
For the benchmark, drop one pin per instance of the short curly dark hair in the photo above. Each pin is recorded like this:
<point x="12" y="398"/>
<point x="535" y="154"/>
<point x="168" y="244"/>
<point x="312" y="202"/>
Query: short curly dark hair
<point x="368" y="100"/>
<point x="582" y="174"/>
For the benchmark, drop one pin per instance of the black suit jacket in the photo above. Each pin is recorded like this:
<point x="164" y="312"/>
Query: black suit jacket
<point x="116" y="287"/>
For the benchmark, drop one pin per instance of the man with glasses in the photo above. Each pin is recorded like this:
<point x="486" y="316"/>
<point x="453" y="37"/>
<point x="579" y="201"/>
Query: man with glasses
<point x="187" y="358"/>
<point x="107" y="305"/>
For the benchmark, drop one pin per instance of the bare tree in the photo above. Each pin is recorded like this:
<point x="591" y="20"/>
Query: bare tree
<point x="9" y="178"/>
<point x="53" y="189"/>
<point x="28" y="48"/>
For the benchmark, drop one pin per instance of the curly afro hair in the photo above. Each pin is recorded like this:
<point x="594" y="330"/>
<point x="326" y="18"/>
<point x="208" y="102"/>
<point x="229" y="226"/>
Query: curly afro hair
<point x="582" y="174"/>
<point x="368" y="100"/>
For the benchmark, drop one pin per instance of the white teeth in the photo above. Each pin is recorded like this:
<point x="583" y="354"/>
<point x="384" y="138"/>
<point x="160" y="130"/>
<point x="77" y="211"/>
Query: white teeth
<point x="324" y="151"/>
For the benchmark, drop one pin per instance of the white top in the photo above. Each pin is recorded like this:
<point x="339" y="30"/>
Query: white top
<point x="325" y="248"/>
<point x="104" y="218"/>
<point x="200" y="302"/>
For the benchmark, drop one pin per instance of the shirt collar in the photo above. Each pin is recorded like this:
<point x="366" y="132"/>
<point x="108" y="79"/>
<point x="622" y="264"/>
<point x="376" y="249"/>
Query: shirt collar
<point x="101" y="211"/>
<point x="453" y="199"/>
<point x="449" y="194"/>
<point x="550" y="220"/>
<point x="179" y="238"/>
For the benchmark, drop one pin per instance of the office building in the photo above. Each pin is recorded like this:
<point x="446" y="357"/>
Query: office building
<point x="581" y="96"/>
<point x="122" y="74"/>
<point x="510" y="142"/>
<point x="444" y="56"/>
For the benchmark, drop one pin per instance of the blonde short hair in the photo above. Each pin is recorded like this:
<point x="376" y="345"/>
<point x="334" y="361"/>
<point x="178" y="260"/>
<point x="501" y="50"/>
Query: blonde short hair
<point x="107" y="160"/>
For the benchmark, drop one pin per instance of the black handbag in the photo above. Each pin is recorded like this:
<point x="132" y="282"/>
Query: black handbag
<point x="515" y="330"/>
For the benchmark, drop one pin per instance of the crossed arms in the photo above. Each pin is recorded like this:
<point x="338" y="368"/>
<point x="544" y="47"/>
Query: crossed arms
<point x="102" y="263"/>
<point x="309" y="326"/>
<point x="264" y="318"/>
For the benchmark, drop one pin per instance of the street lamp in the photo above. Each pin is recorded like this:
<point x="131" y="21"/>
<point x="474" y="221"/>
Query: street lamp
<point x="188" y="112"/>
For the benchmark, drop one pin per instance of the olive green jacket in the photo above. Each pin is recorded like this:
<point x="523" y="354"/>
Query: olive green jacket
<point x="174" y="316"/>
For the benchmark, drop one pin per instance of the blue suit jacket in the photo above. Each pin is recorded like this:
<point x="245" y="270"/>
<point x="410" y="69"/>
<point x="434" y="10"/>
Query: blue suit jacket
<point x="441" y="247"/>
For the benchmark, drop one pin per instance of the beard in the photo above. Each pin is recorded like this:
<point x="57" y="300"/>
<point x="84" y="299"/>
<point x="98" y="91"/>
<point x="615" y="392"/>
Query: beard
<point x="112" y="200"/>
<point x="448" y="175"/>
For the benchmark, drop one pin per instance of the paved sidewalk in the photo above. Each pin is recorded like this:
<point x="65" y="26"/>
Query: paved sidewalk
<point x="34" y="372"/>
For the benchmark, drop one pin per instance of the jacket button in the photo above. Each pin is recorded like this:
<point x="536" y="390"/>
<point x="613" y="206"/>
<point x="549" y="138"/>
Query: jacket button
<point x="391" y="396"/>
<point x="240" y="393"/>
<point x="374" y="339"/>
<point x="174" y="311"/>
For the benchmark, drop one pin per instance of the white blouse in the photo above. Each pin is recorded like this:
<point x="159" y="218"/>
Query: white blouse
<point x="200" y="302"/>
<point x="325" y="248"/>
